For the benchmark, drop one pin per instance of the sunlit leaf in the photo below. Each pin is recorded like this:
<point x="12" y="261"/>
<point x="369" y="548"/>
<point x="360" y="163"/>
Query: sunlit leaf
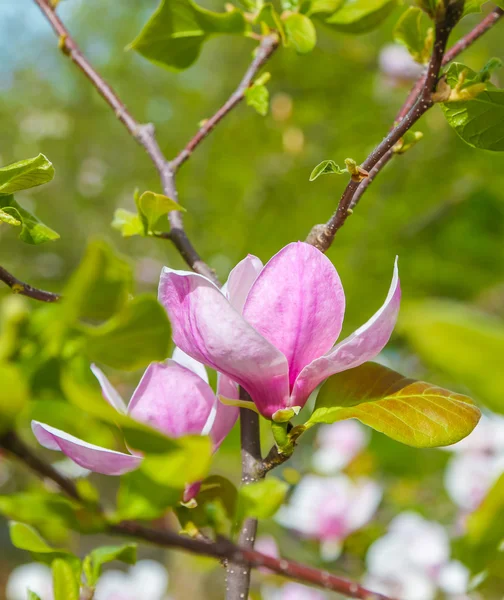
<point x="25" y="174"/>
<point x="412" y="412"/>
<point x="94" y="561"/>
<point x="415" y="32"/>
<point x="154" y="206"/>
<point x="127" y="222"/>
<point x="33" y="231"/>
<point x="479" y="121"/>
<point x="360" y="16"/>
<point x="175" y="33"/>
<point x="140" y="497"/>
<point x="300" y="32"/>
<point x="9" y="219"/>
<point x="262" y="499"/>
<point x="325" y="167"/>
<point x="322" y="6"/>
<point x="257" y="96"/>
<point x="465" y="345"/>
<point x="138" y="335"/>
<point x="65" y="583"/>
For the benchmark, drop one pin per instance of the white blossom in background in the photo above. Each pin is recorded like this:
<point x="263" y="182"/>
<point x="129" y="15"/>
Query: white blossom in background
<point x="412" y="562"/>
<point x="329" y="509"/>
<point x="477" y="463"/>
<point x="34" y="577"/>
<point x="338" y="444"/>
<point x="146" y="579"/>
<point x="293" y="591"/>
<point x="397" y="64"/>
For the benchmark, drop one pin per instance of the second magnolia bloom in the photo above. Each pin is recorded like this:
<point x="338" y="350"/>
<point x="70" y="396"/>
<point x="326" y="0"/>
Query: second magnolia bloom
<point x="278" y="341"/>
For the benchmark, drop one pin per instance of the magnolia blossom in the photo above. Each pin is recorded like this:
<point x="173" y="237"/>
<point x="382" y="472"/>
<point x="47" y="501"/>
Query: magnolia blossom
<point x="412" y="561"/>
<point x="293" y="591"/>
<point x="147" y="579"/>
<point x="329" y="509"/>
<point x="274" y="334"/>
<point x="173" y="397"/>
<point x="396" y="63"/>
<point x="477" y="463"/>
<point x="33" y="577"/>
<point x="338" y="444"/>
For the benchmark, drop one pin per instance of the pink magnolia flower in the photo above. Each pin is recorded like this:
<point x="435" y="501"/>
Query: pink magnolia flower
<point x="173" y="397"/>
<point x="338" y="444"/>
<point x="293" y="591"/>
<point x="329" y="509"/>
<point x="277" y="341"/>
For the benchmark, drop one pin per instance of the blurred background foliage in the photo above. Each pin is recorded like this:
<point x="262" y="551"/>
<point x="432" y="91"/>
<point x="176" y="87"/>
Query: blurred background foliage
<point x="440" y="207"/>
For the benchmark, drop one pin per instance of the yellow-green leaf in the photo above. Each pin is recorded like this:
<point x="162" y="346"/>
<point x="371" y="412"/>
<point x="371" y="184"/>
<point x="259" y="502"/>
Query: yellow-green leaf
<point x="127" y="222"/>
<point x="415" y="413"/>
<point x="300" y="32"/>
<point x="25" y="174"/>
<point x="65" y="583"/>
<point x="154" y="206"/>
<point x="360" y="16"/>
<point x="9" y="219"/>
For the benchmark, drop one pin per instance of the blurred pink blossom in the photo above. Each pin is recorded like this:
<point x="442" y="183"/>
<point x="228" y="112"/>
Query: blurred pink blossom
<point x="338" y="444"/>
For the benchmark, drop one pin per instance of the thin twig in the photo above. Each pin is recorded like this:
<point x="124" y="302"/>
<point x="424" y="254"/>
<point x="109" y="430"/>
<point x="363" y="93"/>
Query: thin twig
<point x="144" y="134"/>
<point x="238" y="577"/>
<point x="25" y="289"/>
<point x="418" y="102"/>
<point x="265" y="49"/>
<point x="222" y="549"/>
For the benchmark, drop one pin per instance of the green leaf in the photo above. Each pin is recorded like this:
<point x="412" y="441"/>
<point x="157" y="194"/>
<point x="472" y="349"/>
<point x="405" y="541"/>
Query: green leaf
<point x="175" y="33"/>
<point x="25" y="174"/>
<point x="257" y="96"/>
<point x="33" y="596"/>
<point x="13" y="395"/>
<point x="268" y="16"/>
<point x="361" y="16"/>
<point x="95" y="560"/>
<point x="478" y="121"/>
<point x="9" y="219"/>
<point x="100" y="286"/>
<point x="413" y="31"/>
<point x="128" y="223"/>
<point x="140" y="497"/>
<point x="262" y="499"/>
<point x="408" y="140"/>
<point x="465" y="345"/>
<point x="154" y="206"/>
<point x="300" y="32"/>
<point x="474" y="6"/>
<point x="411" y="412"/>
<point x="326" y="166"/>
<point x="322" y="6"/>
<point x="181" y="466"/>
<point x="138" y="335"/>
<point x="33" y="231"/>
<point x="66" y="585"/>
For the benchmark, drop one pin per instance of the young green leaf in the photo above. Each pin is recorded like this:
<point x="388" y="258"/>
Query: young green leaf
<point x="94" y="561"/>
<point x="9" y="219"/>
<point x="479" y="120"/>
<point x="408" y="140"/>
<point x="268" y="16"/>
<point x="33" y="231"/>
<point x="100" y="286"/>
<point x="25" y="174"/>
<point x="135" y="337"/>
<point x="412" y="412"/>
<point x="360" y="16"/>
<point x="414" y="31"/>
<point x="175" y="33"/>
<point x="257" y="96"/>
<point x="300" y="32"/>
<point x="13" y="395"/>
<point x="127" y="222"/>
<point x="325" y="167"/>
<point x="314" y="7"/>
<point x="66" y="585"/>
<point x="262" y="499"/>
<point x="32" y="596"/>
<point x="463" y="344"/>
<point x="154" y="206"/>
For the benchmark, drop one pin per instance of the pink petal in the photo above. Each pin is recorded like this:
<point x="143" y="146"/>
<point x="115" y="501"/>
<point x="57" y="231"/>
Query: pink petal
<point x="363" y="345"/>
<point x="109" y="392"/>
<point x="191" y="491"/>
<point x="240" y="281"/>
<point x="172" y="399"/>
<point x="88" y="456"/>
<point x="225" y="416"/>
<point x="180" y="357"/>
<point x="209" y="329"/>
<point x="297" y="303"/>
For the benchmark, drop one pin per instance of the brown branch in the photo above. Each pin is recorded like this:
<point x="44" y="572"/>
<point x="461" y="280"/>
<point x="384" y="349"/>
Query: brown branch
<point x="25" y="289"/>
<point x="266" y="48"/>
<point x="144" y="134"/>
<point x="222" y="549"/>
<point x="418" y="102"/>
